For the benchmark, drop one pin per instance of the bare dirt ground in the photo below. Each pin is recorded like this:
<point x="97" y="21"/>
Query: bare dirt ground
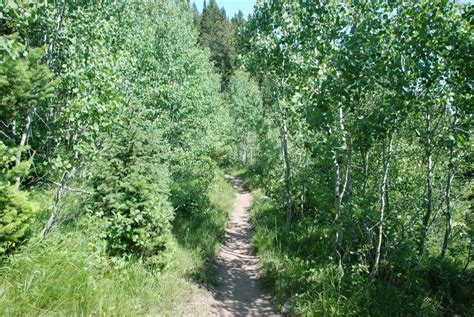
<point x="238" y="291"/>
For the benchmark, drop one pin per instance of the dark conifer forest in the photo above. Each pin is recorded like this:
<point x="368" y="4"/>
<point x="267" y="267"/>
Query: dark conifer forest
<point x="127" y="127"/>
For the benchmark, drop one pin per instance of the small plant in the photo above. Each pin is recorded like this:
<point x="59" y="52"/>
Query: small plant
<point x="16" y="209"/>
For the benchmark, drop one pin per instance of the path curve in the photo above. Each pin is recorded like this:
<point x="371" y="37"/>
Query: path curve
<point x="238" y="292"/>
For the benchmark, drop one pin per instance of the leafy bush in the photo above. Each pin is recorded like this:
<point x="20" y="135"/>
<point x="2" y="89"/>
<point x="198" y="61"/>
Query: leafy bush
<point x="16" y="209"/>
<point x="191" y="179"/>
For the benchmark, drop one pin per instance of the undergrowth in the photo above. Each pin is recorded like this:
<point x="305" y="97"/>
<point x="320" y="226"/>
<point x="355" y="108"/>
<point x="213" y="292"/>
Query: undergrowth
<point x="69" y="273"/>
<point x="295" y="268"/>
<point x="201" y="231"/>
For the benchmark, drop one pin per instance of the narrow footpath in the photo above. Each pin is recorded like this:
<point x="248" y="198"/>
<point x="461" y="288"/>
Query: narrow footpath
<point x="238" y="292"/>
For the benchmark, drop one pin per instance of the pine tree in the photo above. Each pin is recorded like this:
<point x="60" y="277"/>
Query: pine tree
<point x="238" y="20"/>
<point x="196" y="15"/>
<point x="217" y="34"/>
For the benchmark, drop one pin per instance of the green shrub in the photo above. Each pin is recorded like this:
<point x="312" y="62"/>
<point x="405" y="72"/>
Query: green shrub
<point x="16" y="209"/>
<point x="294" y="266"/>
<point x="131" y="191"/>
<point x="191" y="178"/>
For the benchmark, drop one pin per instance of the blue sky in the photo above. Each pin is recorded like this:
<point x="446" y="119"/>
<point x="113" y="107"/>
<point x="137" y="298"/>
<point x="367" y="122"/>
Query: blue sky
<point x="231" y="6"/>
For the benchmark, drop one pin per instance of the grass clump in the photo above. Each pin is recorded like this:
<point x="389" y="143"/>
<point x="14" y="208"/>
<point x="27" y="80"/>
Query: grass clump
<point x="68" y="274"/>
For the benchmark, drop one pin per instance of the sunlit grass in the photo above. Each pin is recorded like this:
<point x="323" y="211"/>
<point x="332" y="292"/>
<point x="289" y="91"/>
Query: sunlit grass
<point x="69" y="274"/>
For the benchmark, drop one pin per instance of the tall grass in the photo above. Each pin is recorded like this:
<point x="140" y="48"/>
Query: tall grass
<point x="69" y="274"/>
<point x="201" y="232"/>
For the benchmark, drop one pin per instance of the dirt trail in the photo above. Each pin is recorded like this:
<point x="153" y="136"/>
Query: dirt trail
<point x="239" y="292"/>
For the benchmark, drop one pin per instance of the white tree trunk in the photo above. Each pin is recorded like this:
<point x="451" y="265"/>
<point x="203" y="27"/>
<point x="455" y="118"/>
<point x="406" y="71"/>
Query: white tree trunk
<point x="286" y="158"/>
<point x="429" y="187"/>
<point x="447" y="230"/>
<point x="24" y="139"/>
<point x="383" y="195"/>
<point x="338" y="193"/>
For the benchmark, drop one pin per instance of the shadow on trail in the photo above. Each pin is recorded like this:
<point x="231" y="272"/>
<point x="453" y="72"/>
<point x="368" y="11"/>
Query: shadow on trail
<point x="239" y="291"/>
<point x="238" y="184"/>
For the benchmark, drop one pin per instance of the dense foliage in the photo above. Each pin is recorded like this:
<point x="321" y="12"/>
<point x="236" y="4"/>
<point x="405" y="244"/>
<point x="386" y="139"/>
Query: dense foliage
<point x="24" y="83"/>
<point x="244" y="103"/>
<point x="373" y="102"/>
<point x="110" y="121"/>
<point x="216" y="33"/>
<point x="134" y="106"/>
<point x="352" y="118"/>
<point x="131" y="192"/>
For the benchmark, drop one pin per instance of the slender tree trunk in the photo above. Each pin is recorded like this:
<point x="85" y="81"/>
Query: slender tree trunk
<point x="66" y="176"/>
<point x="50" y="50"/>
<point x="338" y="194"/>
<point x="365" y="156"/>
<point x="58" y="198"/>
<point x="447" y="230"/>
<point x="246" y="146"/>
<point x="303" y="186"/>
<point x="337" y="207"/>
<point x="429" y="188"/>
<point x="383" y="194"/>
<point x="49" y="62"/>
<point x="337" y="189"/>
<point x="286" y="158"/>
<point x="239" y="150"/>
<point x="469" y="256"/>
<point x="24" y="138"/>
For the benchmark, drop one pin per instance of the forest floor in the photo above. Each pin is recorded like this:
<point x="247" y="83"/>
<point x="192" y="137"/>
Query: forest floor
<point x="238" y="291"/>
